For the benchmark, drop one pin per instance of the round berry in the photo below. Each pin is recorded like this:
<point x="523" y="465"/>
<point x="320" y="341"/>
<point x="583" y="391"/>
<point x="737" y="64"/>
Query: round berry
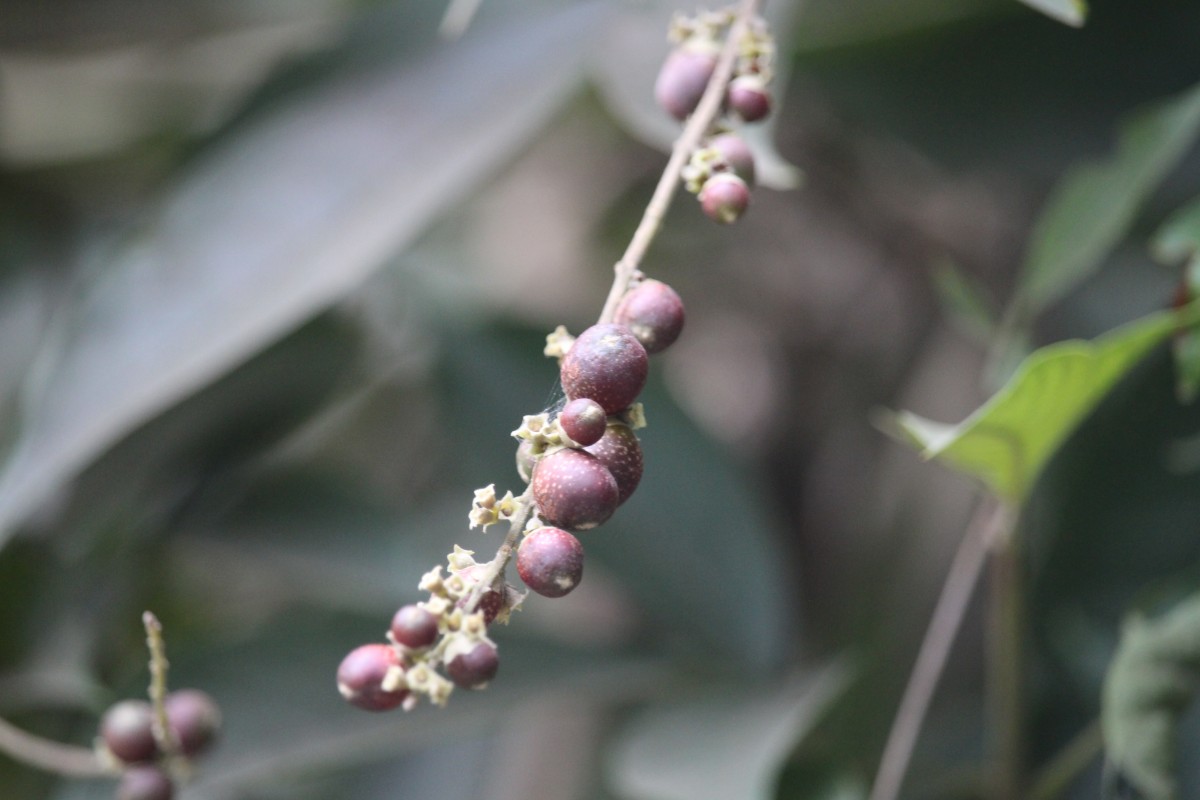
<point x="490" y="602"/>
<point x="737" y="153"/>
<point x="574" y="490"/>
<point x="682" y="80"/>
<point x="360" y="677"/>
<point x="748" y="97"/>
<point x="413" y="626"/>
<point x="474" y="668"/>
<point x="194" y="719"/>
<point x="527" y="456"/>
<point x="128" y="731"/>
<point x="145" y="783"/>
<point x="550" y="561"/>
<point x="606" y="364"/>
<point x="724" y="197"/>
<point x="653" y="312"/>
<point x="621" y="454"/>
<point x="583" y="420"/>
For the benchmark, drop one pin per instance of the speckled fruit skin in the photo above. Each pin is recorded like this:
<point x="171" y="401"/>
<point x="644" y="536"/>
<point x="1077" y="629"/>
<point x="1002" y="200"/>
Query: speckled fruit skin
<point x="128" y="733"/>
<point x="724" y="198"/>
<point x="682" y="80"/>
<point x="145" y="783"/>
<point x="574" y="490"/>
<point x="606" y="364"/>
<point x="413" y="626"/>
<point x="583" y="420"/>
<point x="360" y="678"/>
<point x="550" y="561"/>
<point x="654" y="313"/>
<point x="621" y="453"/>
<point x="737" y="153"/>
<point x="749" y="98"/>
<point x="194" y="719"/>
<point x="473" y="669"/>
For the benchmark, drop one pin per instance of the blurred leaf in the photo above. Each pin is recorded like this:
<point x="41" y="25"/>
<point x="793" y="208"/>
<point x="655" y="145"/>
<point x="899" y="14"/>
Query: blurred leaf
<point x="1178" y="240"/>
<point x="963" y="301"/>
<point x="1151" y="681"/>
<point x="1094" y="204"/>
<point x="1072" y="12"/>
<point x="1006" y="442"/>
<point x="732" y="746"/>
<point x="275" y="225"/>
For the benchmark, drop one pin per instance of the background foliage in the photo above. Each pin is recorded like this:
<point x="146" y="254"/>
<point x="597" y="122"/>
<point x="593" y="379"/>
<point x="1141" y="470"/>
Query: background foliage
<point x="275" y="278"/>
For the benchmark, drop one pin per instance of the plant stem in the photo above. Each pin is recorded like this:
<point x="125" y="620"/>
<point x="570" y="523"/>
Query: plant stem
<point x="989" y="520"/>
<point x="158" y="684"/>
<point x="51" y="756"/>
<point x="1054" y="778"/>
<point x="1005" y="688"/>
<point x="504" y="553"/>
<point x="697" y="126"/>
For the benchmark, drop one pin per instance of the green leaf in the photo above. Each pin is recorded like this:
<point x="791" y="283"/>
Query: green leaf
<point x="722" y="748"/>
<point x="277" y="222"/>
<point x="1008" y="440"/>
<point x="963" y="301"/>
<point x="1072" y="12"/>
<point x="1178" y="240"/>
<point x="1152" y="680"/>
<point x="1094" y="204"/>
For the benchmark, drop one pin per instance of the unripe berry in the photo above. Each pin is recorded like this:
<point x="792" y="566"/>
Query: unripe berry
<point x="737" y="153"/>
<point x="360" y="677"/>
<point x="747" y="95"/>
<point x="474" y="668"/>
<point x="550" y="561"/>
<point x="606" y="364"/>
<point x="621" y="453"/>
<point x="574" y="490"/>
<point x="724" y="197"/>
<point x="653" y="312"/>
<point x="413" y="626"/>
<point x="128" y="731"/>
<point x="145" y="783"/>
<point x="526" y="458"/>
<point x="583" y="420"/>
<point x="682" y="80"/>
<point x="194" y="719"/>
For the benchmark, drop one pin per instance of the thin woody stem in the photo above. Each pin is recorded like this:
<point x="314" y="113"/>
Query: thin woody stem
<point x="500" y="561"/>
<point x="51" y="756"/>
<point x="697" y="126"/>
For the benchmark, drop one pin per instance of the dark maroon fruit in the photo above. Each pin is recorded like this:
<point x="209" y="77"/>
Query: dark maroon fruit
<point x="550" y="561"/>
<point x="654" y="313"/>
<point x="749" y="98"/>
<point x="606" y="364"/>
<point x="360" y="677"/>
<point x="413" y="626"/>
<point x="490" y="602"/>
<point x="737" y="153"/>
<point x="145" y="783"/>
<point x="583" y="420"/>
<point x="194" y="719"/>
<point x="128" y="731"/>
<point x="682" y="80"/>
<point x="724" y="197"/>
<point x="574" y="490"/>
<point x="621" y="453"/>
<point x="474" y="668"/>
<point x="526" y="458"/>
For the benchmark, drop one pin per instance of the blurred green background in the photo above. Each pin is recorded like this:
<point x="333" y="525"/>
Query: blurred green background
<point x="274" y="282"/>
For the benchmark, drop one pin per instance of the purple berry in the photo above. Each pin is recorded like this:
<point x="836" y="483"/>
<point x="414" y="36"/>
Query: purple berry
<point x="490" y="602"/>
<point x="128" y="731"/>
<point x="620" y="452"/>
<point x="194" y="719"/>
<point x="724" y="197"/>
<point x="583" y="420"/>
<point x="413" y="626"/>
<point x="654" y="313"/>
<point x="748" y="97"/>
<point x="606" y="364"/>
<point x="145" y="783"/>
<point x="550" y="561"/>
<point x="474" y="668"/>
<point x="360" y="677"/>
<point x="682" y="80"/>
<point x="737" y="153"/>
<point x="574" y="490"/>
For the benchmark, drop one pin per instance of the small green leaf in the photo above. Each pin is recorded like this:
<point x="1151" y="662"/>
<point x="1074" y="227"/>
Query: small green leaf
<point x="1178" y="240"/>
<point x="963" y="301"/>
<point x="1151" y="681"/>
<point x="1008" y="440"/>
<point x="1072" y="12"/>
<point x="1092" y="207"/>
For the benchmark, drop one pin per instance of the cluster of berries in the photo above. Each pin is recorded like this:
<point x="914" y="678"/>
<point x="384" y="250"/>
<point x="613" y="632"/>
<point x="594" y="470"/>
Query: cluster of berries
<point x="721" y="170"/>
<point x="149" y="759"/>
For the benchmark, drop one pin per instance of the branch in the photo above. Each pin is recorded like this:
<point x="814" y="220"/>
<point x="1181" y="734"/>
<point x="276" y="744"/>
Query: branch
<point x="51" y="756"/>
